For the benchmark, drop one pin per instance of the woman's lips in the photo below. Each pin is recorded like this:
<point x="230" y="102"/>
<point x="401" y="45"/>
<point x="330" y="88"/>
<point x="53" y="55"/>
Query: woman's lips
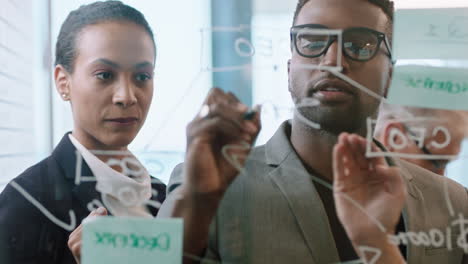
<point x="123" y="121"/>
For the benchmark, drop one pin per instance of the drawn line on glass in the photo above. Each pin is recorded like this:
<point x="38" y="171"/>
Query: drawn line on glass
<point x="40" y="207"/>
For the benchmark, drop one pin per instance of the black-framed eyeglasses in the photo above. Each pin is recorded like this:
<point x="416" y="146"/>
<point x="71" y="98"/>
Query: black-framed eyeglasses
<point x="359" y="43"/>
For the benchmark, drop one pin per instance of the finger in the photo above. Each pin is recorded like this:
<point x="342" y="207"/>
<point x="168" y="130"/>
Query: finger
<point x="355" y="175"/>
<point x="339" y="175"/>
<point x="377" y="161"/>
<point x="361" y="147"/>
<point x="232" y="98"/>
<point x="342" y="156"/>
<point x="233" y="114"/>
<point x="76" y="250"/>
<point x="227" y="111"/>
<point x="215" y="127"/>
<point x="74" y="238"/>
<point x="101" y="211"/>
<point x="348" y="155"/>
<point x="217" y="95"/>
<point x="359" y="153"/>
<point x="394" y="183"/>
<point x="256" y="122"/>
<point x="77" y="231"/>
<point x="214" y="95"/>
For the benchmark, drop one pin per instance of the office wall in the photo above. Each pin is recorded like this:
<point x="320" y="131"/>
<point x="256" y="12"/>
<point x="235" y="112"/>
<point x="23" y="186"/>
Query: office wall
<point x="17" y="88"/>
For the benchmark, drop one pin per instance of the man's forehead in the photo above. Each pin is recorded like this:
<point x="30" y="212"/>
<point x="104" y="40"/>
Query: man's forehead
<point x="342" y="14"/>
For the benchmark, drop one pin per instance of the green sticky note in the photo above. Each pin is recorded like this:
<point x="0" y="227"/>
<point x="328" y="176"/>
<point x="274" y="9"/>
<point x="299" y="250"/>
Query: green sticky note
<point x="120" y="240"/>
<point x="430" y="87"/>
<point x="431" y="34"/>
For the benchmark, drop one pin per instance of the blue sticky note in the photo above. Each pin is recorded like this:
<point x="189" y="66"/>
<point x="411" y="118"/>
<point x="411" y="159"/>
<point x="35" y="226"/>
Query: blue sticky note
<point x="431" y="33"/>
<point x="430" y="87"/>
<point x="120" y="240"/>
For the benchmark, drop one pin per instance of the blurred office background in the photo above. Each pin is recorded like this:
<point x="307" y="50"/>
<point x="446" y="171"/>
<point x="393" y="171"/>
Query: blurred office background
<point x="238" y="45"/>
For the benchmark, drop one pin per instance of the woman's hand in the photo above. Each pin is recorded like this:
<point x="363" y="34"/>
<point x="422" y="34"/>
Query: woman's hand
<point x="74" y="240"/>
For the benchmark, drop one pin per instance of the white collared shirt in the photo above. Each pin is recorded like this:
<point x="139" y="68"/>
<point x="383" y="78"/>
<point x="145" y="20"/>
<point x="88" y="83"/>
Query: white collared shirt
<point x="122" y="195"/>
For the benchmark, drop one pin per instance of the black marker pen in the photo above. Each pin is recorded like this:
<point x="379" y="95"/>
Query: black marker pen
<point x="250" y="114"/>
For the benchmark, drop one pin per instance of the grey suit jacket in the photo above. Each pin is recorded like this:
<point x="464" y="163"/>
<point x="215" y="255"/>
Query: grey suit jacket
<point x="273" y="214"/>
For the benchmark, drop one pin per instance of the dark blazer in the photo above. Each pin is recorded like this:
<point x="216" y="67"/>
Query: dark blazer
<point x="27" y="234"/>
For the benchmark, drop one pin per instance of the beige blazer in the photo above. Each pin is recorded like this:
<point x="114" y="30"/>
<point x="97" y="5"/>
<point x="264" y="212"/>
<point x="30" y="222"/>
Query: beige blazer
<point x="273" y="213"/>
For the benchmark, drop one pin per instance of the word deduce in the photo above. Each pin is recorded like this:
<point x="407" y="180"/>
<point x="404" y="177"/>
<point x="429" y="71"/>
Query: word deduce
<point x="443" y="86"/>
<point x="160" y="242"/>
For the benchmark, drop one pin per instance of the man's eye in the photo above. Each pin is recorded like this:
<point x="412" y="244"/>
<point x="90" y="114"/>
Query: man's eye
<point x="313" y="45"/>
<point x="104" y="75"/>
<point x="142" y="77"/>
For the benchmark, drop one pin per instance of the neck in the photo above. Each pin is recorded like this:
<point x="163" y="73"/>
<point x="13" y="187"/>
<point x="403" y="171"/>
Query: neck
<point x="108" y="152"/>
<point x="315" y="148"/>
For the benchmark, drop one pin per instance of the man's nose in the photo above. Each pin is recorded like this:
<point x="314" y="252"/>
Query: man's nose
<point x="334" y="58"/>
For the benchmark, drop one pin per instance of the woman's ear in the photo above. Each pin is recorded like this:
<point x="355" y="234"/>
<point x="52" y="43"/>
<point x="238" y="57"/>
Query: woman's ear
<point x="62" y="82"/>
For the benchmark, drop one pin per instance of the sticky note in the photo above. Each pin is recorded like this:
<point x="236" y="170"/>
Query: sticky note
<point x="430" y="87"/>
<point x="431" y="34"/>
<point x="119" y="240"/>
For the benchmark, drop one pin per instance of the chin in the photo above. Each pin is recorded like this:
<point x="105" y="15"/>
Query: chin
<point x="334" y="121"/>
<point x="118" y="140"/>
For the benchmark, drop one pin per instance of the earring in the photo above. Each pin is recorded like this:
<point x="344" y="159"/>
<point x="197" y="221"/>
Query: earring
<point x="65" y="96"/>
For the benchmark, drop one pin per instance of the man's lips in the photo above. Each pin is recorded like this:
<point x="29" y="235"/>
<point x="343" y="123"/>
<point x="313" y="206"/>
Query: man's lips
<point x="331" y="91"/>
<point x="327" y="85"/>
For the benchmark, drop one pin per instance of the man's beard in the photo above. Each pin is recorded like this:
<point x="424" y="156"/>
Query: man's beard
<point x="335" y="121"/>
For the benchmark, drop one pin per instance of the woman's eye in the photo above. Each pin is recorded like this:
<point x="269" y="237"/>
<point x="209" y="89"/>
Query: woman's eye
<point x="104" y="76"/>
<point x="142" y="77"/>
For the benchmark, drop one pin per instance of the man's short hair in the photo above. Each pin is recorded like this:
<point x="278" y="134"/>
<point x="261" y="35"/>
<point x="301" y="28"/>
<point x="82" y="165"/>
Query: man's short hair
<point x="386" y="5"/>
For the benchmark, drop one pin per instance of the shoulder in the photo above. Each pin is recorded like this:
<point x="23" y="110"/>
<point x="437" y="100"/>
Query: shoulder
<point x="33" y="180"/>
<point x="255" y="161"/>
<point x="22" y="222"/>
<point x="40" y="185"/>
<point x="428" y="180"/>
<point x="435" y="188"/>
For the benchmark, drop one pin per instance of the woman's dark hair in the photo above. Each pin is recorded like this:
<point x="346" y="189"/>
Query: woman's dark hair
<point x="97" y="12"/>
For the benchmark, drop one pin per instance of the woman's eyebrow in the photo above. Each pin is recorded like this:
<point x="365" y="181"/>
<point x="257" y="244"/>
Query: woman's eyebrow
<point x="107" y="62"/>
<point x="143" y="65"/>
<point x="117" y="66"/>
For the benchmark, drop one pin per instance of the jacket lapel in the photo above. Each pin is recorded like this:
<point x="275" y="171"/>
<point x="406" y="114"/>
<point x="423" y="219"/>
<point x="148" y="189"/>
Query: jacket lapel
<point x="414" y="215"/>
<point x="75" y="169"/>
<point x="298" y="189"/>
